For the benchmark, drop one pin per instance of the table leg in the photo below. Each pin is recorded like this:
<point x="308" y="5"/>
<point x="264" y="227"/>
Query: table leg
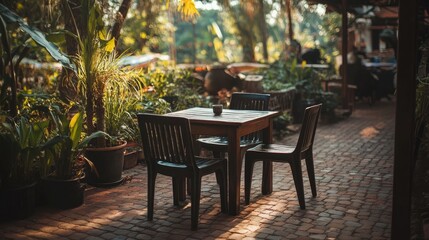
<point x="234" y="172"/>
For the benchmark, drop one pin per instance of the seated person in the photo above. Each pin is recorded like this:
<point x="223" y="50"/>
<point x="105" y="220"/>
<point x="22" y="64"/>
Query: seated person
<point x="312" y="56"/>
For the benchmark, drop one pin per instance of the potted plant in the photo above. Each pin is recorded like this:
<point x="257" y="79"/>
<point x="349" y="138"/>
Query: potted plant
<point x="21" y="138"/>
<point x="121" y="103"/>
<point x="106" y="89"/>
<point x="21" y="142"/>
<point x="62" y="186"/>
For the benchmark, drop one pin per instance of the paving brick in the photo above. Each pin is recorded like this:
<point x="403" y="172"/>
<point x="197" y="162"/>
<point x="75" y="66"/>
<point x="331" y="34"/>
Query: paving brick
<point x="354" y="184"/>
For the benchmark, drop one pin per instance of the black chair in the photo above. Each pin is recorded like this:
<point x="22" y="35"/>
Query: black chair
<point x="241" y="101"/>
<point x="167" y="145"/>
<point x="288" y="154"/>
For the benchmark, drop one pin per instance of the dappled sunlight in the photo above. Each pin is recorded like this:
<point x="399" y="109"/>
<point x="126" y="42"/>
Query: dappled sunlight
<point x="372" y="131"/>
<point x="369" y="132"/>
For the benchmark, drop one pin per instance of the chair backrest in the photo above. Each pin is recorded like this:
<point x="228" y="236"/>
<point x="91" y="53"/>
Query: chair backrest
<point x="166" y="138"/>
<point x="308" y="128"/>
<point x="282" y="100"/>
<point x="250" y="101"/>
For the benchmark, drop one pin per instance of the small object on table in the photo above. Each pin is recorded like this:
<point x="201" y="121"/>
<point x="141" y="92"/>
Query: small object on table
<point x="217" y="109"/>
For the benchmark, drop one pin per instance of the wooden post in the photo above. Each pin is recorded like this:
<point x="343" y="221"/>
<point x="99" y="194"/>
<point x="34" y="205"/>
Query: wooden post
<point x="405" y="122"/>
<point x="344" y="51"/>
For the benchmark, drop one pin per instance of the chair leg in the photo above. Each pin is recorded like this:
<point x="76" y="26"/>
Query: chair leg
<point x="188" y="186"/>
<point x="218" y="154"/>
<point x="222" y="180"/>
<point x="178" y="190"/>
<point x="310" y="170"/>
<point x="195" y="201"/>
<point x="248" y="172"/>
<point x="295" y="165"/>
<point x="150" y="193"/>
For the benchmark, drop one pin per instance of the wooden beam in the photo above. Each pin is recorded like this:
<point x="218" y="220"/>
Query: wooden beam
<point x="344" y="51"/>
<point x="405" y="120"/>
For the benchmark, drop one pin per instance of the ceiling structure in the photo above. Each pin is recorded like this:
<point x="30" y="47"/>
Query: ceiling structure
<point x="353" y="5"/>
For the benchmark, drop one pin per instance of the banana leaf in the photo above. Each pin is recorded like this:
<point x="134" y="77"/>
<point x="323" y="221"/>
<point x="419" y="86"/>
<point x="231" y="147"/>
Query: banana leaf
<point x="38" y="36"/>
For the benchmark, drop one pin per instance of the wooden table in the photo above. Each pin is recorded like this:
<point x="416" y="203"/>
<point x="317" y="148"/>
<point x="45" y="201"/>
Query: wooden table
<point x="379" y="65"/>
<point x="318" y="66"/>
<point x="233" y="124"/>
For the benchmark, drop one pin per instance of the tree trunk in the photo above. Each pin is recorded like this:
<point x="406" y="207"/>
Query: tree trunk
<point x="13" y="101"/>
<point x="72" y="21"/>
<point x="194" y="44"/>
<point x="120" y="18"/>
<point x="289" y="16"/>
<point x="172" y="43"/>
<point x="100" y="114"/>
<point x="245" y="32"/>
<point x="263" y="27"/>
<point x="247" y="43"/>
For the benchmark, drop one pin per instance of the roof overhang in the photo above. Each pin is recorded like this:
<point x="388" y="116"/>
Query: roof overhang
<point x="386" y="8"/>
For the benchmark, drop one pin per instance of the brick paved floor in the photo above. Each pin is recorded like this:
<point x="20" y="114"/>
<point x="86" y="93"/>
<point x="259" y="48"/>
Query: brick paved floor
<point x="353" y="162"/>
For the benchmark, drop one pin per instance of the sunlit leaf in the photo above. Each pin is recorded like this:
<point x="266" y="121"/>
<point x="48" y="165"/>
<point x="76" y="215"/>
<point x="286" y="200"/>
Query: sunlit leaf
<point x="188" y="9"/>
<point x="56" y="37"/>
<point x="216" y="30"/>
<point x="75" y="129"/>
<point x="110" y="45"/>
<point x="143" y="35"/>
<point x="19" y="6"/>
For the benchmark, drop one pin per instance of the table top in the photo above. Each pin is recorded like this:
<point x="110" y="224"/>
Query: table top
<point x="228" y="116"/>
<point x="379" y="64"/>
<point x="313" y="65"/>
<point x="321" y="66"/>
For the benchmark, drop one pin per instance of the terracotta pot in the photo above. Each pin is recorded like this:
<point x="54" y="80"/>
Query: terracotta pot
<point x="109" y="162"/>
<point x="130" y="159"/>
<point x="217" y="79"/>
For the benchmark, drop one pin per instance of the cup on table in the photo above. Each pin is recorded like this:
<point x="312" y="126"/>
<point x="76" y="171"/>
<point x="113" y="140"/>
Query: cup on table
<point x="217" y="109"/>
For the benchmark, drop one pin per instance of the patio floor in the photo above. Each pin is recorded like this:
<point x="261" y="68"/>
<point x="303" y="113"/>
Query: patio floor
<point x="354" y="175"/>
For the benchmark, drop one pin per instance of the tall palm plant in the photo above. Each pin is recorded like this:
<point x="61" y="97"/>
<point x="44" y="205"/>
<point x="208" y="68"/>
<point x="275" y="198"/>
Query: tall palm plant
<point x="108" y="89"/>
<point x="92" y="70"/>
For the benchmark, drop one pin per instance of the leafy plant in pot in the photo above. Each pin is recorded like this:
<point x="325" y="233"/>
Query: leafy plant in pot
<point x="62" y="187"/>
<point x="105" y="88"/>
<point x="21" y="138"/>
<point x="21" y="147"/>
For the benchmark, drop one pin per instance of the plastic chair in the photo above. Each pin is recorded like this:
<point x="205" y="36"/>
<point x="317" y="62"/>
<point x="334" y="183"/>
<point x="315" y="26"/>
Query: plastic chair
<point x="241" y="101"/>
<point x="168" y="150"/>
<point x="288" y="154"/>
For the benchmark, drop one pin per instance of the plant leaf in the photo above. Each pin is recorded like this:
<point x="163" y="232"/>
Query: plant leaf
<point x="75" y="126"/>
<point x="56" y="37"/>
<point x="87" y="139"/>
<point x="53" y="141"/>
<point x="110" y="45"/>
<point x="38" y="36"/>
